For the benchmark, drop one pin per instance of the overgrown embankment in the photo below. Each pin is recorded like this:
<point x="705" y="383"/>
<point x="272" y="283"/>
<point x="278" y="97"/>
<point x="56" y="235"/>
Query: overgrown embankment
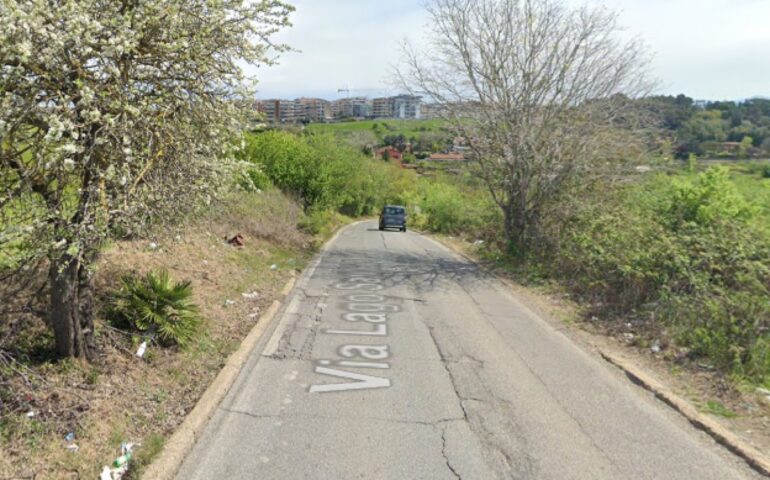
<point x="684" y="258"/>
<point x="689" y="256"/>
<point x="119" y="397"/>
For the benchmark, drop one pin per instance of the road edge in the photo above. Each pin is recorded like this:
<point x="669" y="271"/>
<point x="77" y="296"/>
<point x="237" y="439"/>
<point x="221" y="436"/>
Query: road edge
<point x="176" y="449"/>
<point x="182" y="441"/>
<point x="724" y="437"/>
<point x="720" y="434"/>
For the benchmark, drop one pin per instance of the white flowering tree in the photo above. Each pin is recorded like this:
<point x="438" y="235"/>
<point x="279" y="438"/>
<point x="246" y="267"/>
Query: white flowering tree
<point x="115" y="114"/>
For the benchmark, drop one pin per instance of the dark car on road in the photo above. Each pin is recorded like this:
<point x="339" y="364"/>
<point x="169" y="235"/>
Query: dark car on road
<point x="393" y="216"/>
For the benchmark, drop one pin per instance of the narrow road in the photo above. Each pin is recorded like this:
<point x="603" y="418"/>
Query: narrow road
<point x="395" y="359"/>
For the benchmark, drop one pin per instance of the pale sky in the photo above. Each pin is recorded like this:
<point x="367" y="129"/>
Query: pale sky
<point x="707" y="49"/>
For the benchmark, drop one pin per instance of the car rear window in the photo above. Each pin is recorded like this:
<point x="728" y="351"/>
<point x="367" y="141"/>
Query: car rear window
<point x="394" y="211"/>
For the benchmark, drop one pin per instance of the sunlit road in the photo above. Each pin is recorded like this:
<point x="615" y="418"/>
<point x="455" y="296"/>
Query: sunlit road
<point x="395" y="359"/>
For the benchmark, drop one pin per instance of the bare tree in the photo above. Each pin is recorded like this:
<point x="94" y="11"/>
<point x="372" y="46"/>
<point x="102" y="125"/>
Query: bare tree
<point x="113" y="114"/>
<point x="540" y="91"/>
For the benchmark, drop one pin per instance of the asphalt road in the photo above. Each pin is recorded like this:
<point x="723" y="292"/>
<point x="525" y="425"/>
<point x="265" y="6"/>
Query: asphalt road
<point x="395" y="359"/>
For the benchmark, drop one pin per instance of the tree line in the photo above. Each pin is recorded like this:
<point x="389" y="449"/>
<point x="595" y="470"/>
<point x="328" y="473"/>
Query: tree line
<point x="714" y="129"/>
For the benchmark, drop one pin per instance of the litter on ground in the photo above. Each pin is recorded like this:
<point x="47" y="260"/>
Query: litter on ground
<point x="250" y="295"/>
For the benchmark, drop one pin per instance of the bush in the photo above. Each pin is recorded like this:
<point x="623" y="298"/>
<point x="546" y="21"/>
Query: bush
<point x="446" y="206"/>
<point x="255" y="179"/>
<point x="314" y="221"/>
<point x="326" y="174"/>
<point x="709" y="200"/>
<point x="766" y="172"/>
<point x="688" y="253"/>
<point x="155" y="305"/>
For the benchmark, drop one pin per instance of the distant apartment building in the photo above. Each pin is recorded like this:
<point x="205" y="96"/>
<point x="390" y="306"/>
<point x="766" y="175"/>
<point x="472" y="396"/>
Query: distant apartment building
<point x="352" y="107"/>
<point x="431" y="110"/>
<point x="278" y="111"/>
<point x="320" y="110"/>
<point x="382" y="107"/>
<point x="400" y="106"/>
<point x="312" y="109"/>
<point x="406" y="106"/>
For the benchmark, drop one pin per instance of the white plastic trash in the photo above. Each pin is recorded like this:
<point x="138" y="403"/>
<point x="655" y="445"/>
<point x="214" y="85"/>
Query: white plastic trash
<point x="106" y="474"/>
<point x="142" y="348"/>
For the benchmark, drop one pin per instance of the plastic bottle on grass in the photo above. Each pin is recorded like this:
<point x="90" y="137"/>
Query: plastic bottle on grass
<point x="142" y="348"/>
<point x="106" y="474"/>
<point x="122" y="460"/>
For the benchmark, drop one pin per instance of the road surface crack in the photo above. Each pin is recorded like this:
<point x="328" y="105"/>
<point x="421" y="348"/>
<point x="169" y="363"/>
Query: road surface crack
<point x="446" y="457"/>
<point x="452" y="380"/>
<point x="577" y="422"/>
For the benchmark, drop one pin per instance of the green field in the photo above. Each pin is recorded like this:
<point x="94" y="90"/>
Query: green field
<point x="381" y="128"/>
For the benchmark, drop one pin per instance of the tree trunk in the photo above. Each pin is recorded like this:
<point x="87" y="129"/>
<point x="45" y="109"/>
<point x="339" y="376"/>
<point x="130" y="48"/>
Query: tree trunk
<point x="86" y="304"/>
<point x="71" y="308"/>
<point x="508" y="229"/>
<point x="515" y="226"/>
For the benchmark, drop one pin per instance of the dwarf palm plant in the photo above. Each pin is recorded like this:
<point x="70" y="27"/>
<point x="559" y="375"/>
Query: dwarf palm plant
<point x="157" y="305"/>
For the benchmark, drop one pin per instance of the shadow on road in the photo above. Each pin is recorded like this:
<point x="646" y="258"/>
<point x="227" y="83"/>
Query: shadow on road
<point x="421" y="271"/>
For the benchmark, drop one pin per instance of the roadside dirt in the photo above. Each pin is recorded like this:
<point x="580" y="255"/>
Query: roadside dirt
<point x="122" y="398"/>
<point x="740" y="408"/>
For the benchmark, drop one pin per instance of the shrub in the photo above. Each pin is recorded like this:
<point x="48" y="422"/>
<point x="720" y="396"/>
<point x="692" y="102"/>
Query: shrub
<point x="314" y="221"/>
<point x="444" y="208"/>
<point x="326" y="174"/>
<point x="448" y="207"/>
<point x="688" y="252"/>
<point x="316" y="169"/>
<point x="157" y="306"/>
<point x="255" y="179"/>
<point x="766" y="172"/>
<point x="711" y="198"/>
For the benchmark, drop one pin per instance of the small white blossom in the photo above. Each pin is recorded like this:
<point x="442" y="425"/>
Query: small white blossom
<point x="69" y="148"/>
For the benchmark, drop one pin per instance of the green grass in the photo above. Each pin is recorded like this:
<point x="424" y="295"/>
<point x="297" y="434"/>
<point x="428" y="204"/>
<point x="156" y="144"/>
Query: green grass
<point x="409" y="128"/>
<point x="151" y="447"/>
<point x="715" y="408"/>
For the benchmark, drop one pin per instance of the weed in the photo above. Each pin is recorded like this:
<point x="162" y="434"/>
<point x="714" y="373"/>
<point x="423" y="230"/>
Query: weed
<point x="151" y="447"/>
<point x="92" y="376"/>
<point x="117" y="437"/>
<point x="715" y="408"/>
<point x="159" y="396"/>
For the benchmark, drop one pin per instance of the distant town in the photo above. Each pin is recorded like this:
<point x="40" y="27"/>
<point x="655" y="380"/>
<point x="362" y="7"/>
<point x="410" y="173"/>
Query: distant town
<point x="304" y="110"/>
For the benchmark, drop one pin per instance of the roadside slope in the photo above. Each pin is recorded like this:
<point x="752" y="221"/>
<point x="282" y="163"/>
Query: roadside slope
<point x="121" y="398"/>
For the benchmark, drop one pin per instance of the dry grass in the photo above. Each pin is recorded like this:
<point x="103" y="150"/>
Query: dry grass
<point x="119" y="397"/>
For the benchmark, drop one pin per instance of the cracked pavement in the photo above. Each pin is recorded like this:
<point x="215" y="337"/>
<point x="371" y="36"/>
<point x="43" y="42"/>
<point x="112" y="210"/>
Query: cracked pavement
<point x="460" y="381"/>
